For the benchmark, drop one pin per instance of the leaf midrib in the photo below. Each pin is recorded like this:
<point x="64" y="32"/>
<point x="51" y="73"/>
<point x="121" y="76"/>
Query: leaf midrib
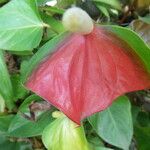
<point x="113" y="121"/>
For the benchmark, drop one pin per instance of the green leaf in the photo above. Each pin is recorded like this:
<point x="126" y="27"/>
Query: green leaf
<point x="103" y="10"/>
<point x="135" y="112"/>
<point x="19" y="91"/>
<point x="21" y="53"/>
<point x="112" y="3"/>
<point x="55" y="25"/>
<point x="6" y="90"/>
<point x="95" y="141"/>
<point x="23" y="67"/>
<point x="143" y="29"/>
<point x="53" y="10"/>
<point x="3" y="1"/>
<point x="21" y="27"/>
<point x="5" y="122"/>
<point x="97" y="144"/>
<point x="141" y="49"/>
<point x="42" y="2"/>
<point x="7" y="144"/>
<point x="114" y="125"/>
<point x="143" y="119"/>
<point x="142" y="136"/>
<point x="22" y="127"/>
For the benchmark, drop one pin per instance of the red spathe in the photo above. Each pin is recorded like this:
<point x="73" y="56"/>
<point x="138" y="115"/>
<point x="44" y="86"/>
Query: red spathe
<point x="87" y="73"/>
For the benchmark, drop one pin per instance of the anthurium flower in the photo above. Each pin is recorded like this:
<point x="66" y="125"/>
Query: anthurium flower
<point x="63" y="134"/>
<point x="89" y="68"/>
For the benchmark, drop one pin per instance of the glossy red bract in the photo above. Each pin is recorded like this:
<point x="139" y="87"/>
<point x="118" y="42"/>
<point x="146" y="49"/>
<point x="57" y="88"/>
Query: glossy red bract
<point x="87" y="73"/>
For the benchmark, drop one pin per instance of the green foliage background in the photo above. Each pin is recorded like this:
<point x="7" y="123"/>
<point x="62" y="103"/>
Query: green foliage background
<point x="30" y="26"/>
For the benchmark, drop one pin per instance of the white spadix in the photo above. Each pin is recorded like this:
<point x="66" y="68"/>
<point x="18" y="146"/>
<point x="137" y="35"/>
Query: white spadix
<point x="77" y="20"/>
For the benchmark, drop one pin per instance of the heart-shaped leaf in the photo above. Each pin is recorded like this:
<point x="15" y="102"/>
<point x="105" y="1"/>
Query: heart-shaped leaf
<point x="114" y="125"/>
<point x="20" y="25"/>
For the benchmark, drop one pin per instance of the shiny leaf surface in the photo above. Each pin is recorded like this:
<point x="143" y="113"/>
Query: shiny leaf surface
<point x="20" y="25"/>
<point x="114" y="125"/>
